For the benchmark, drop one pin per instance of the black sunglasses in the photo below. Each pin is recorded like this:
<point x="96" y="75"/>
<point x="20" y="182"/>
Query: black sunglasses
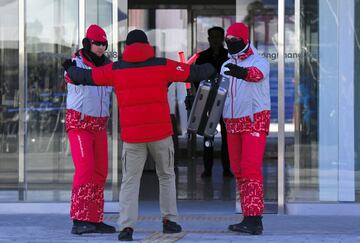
<point x="99" y="43"/>
<point x="232" y="39"/>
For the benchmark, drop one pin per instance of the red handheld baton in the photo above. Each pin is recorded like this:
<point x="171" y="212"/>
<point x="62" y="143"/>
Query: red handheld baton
<point x="191" y="60"/>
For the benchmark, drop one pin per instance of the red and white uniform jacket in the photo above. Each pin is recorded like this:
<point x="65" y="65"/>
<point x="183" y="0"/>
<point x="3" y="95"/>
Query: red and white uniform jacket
<point x="87" y="107"/>
<point x="247" y="106"/>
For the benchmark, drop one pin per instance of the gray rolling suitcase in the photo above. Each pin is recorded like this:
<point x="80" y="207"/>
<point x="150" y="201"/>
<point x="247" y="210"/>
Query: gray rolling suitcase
<point x="208" y="106"/>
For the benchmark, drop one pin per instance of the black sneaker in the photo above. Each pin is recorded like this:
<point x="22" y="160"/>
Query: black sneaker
<point x="104" y="228"/>
<point x="170" y="227"/>
<point x="250" y="224"/>
<point x="126" y="234"/>
<point x="82" y="227"/>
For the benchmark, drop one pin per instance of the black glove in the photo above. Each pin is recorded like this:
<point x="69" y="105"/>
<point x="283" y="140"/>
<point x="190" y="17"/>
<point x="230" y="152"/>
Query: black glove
<point x="236" y="71"/>
<point x="200" y="72"/>
<point x="189" y="100"/>
<point x="68" y="63"/>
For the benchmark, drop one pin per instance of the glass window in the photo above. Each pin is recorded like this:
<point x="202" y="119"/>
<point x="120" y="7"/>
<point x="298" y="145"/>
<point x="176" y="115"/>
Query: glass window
<point x="180" y="32"/>
<point x="9" y="100"/>
<point x="262" y="19"/>
<point x="321" y="159"/>
<point x="51" y="35"/>
<point x="100" y="12"/>
<point x="357" y="99"/>
<point x="302" y="155"/>
<point x="167" y="37"/>
<point x="322" y="85"/>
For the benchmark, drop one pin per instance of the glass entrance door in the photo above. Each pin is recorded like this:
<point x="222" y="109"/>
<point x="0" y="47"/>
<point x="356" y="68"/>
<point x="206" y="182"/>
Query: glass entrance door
<point x="261" y="17"/>
<point x="9" y="100"/>
<point x="36" y="37"/>
<point x="51" y="35"/>
<point x="186" y="30"/>
<point x="321" y="39"/>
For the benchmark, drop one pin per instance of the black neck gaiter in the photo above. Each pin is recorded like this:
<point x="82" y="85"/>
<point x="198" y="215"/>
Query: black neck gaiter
<point x="96" y="60"/>
<point x="235" y="45"/>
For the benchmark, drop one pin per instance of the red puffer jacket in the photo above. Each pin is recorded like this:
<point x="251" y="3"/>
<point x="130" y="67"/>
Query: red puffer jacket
<point x="140" y="81"/>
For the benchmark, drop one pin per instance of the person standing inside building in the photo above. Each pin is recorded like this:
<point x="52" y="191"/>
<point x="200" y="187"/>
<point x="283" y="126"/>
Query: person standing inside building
<point x="247" y="118"/>
<point x="141" y="85"/>
<point x="87" y="114"/>
<point x="216" y="54"/>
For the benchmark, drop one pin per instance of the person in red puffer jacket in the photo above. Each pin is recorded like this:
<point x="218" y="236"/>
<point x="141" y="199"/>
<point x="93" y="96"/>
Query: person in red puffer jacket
<point x="141" y="83"/>
<point x="87" y="113"/>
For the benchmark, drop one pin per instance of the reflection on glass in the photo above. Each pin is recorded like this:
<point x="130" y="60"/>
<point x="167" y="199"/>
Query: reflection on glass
<point x="100" y="12"/>
<point x="9" y="103"/>
<point x="302" y="154"/>
<point x="203" y="23"/>
<point x="51" y="35"/>
<point x="261" y="17"/>
<point x="357" y="101"/>
<point x="170" y="36"/>
<point x="321" y="159"/>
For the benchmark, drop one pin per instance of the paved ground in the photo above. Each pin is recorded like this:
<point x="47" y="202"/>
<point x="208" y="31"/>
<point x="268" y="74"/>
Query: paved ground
<point x="201" y="224"/>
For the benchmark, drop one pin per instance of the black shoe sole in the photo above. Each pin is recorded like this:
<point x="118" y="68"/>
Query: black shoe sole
<point x="171" y="228"/>
<point x="105" y="232"/>
<point x="125" y="239"/>
<point x="247" y="231"/>
<point x="125" y="236"/>
<point x="82" y="230"/>
<point x="171" y="231"/>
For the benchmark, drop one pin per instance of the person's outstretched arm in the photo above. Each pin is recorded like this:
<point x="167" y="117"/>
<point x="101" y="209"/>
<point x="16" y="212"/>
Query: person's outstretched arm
<point x="97" y="76"/>
<point x="199" y="72"/>
<point x="255" y="73"/>
<point x="182" y="72"/>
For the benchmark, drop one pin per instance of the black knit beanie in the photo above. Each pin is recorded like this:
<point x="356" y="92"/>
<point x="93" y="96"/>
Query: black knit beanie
<point x="136" y="36"/>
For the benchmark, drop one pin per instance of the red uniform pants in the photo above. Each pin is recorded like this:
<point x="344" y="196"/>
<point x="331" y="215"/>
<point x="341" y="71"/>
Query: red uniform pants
<point x="246" y="151"/>
<point x="89" y="152"/>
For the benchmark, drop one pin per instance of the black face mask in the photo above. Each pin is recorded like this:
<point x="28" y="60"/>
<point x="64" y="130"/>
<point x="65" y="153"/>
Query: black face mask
<point x="235" y="45"/>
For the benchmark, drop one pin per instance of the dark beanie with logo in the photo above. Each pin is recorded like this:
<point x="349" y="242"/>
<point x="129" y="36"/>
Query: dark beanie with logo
<point x="136" y="36"/>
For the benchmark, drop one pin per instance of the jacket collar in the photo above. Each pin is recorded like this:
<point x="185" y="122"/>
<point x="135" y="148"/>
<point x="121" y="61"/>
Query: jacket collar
<point x="138" y="52"/>
<point x="87" y="62"/>
<point x="242" y="56"/>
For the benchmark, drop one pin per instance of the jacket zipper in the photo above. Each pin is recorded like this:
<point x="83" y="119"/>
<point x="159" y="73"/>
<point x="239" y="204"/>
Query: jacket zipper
<point x="101" y="100"/>
<point x="232" y="94"/>
<point x="232" y="98"/>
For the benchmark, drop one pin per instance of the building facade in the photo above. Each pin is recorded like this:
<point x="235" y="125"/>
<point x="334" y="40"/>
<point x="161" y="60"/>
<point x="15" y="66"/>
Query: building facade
<point x="312" y="157"/>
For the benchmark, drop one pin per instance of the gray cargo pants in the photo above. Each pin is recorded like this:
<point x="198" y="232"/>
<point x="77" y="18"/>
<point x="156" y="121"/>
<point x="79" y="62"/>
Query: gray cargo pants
<point x="133" y="160"/>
